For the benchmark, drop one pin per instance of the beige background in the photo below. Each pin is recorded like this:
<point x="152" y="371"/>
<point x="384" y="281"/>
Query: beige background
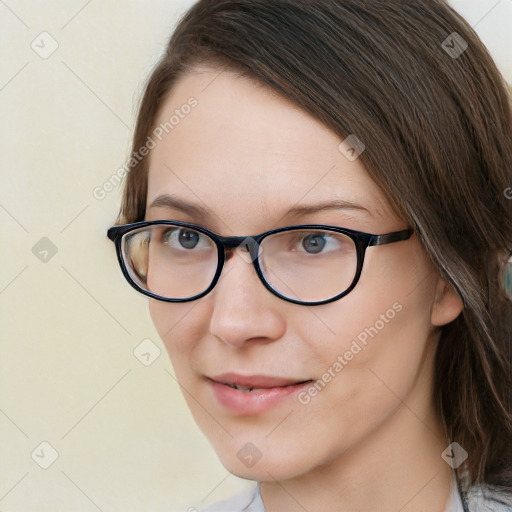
<point x="69" y="322"/>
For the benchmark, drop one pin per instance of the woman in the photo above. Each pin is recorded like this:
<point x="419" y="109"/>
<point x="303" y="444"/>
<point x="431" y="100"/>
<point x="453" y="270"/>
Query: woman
<point x="317" y="211"/>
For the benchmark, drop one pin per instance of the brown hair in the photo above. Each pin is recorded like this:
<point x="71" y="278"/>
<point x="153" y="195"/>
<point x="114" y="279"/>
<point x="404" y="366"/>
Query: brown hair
<point x="437" y="127"/>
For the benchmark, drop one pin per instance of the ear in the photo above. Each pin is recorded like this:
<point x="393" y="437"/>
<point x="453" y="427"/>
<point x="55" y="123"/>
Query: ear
<point x="447" y="305"/>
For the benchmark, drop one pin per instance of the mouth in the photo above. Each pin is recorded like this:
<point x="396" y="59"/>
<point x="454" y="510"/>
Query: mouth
<point x="250" y="383"/>
<point x="253" y="394"/>
<point x="249" y="389"/>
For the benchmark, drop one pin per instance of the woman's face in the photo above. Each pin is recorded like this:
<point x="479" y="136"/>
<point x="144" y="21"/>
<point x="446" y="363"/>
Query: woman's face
<point x="246" y="157"/>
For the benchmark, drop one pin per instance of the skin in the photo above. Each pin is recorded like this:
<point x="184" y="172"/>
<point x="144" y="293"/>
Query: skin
<point x="370" y="440"/>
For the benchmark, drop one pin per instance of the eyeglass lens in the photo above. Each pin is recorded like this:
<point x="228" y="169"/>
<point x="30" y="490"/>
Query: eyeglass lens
<point x="305" y="264"/>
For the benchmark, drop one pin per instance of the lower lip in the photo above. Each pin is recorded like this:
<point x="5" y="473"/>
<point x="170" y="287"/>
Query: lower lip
<point x="253" y="402"/>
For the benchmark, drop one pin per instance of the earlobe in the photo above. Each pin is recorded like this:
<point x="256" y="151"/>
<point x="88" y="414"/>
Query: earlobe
<point x="447" y="305"/>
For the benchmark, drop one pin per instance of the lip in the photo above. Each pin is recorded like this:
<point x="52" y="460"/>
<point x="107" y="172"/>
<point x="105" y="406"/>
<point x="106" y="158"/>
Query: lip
<point x="271" y="391"/>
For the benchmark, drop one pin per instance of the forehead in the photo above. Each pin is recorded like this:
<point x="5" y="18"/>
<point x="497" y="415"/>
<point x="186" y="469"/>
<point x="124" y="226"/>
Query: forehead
<point x="244" y="151"/>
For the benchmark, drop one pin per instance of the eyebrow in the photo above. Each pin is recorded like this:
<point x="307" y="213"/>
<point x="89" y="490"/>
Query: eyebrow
<point x="170" y="201"/>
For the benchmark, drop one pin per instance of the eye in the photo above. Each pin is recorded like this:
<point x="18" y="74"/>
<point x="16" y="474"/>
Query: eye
<point x="184" y="238"/>
<point x="316" y="243"/>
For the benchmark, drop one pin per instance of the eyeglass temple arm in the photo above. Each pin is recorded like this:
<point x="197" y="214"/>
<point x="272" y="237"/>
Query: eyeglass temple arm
<point x="113" y="232"/>
<point x="389" y="238"/>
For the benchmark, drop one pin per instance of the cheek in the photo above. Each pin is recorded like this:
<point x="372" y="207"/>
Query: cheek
<point x="370" y="347"/>
<point x="178" y="328"/>
<point x="377" y="354"/>
<point x="378" y="336"/>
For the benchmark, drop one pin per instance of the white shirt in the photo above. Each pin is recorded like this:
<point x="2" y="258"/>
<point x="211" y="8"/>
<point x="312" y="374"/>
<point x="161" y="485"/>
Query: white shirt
<point x="250" y="500"/>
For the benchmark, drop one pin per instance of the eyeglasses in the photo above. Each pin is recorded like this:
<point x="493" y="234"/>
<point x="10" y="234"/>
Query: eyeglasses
<point x="308" y="264"/>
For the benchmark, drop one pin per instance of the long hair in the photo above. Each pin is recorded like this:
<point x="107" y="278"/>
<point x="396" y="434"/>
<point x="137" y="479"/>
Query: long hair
<point x="413" y="81"/>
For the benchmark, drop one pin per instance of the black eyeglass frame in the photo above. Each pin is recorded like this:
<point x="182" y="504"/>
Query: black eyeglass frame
<point x="226" y="244"/>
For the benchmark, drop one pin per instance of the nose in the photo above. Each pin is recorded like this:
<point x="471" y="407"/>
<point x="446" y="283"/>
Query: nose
<point x="243" y="309"/>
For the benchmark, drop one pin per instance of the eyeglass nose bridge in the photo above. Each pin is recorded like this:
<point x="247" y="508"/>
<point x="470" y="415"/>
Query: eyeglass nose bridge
<point x="249" y="243"/>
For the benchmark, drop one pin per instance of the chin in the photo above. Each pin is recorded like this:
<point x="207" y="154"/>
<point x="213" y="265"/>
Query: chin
<point x="247" y="461"/>
<point x="262" y="471"/>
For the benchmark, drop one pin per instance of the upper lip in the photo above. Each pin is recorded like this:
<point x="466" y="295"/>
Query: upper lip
<point x="255" y="381"/>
